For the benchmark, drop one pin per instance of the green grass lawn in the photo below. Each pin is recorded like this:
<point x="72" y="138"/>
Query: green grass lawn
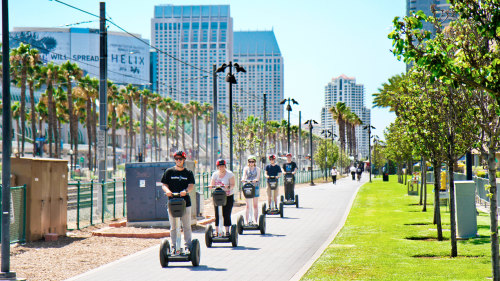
<point x="387" y="237"/>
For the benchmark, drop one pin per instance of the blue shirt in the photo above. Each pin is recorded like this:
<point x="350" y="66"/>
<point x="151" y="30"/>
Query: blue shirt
<point x="273" y="171"/>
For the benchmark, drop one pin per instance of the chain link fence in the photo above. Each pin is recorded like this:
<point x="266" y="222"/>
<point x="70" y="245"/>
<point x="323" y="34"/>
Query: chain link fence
<point x="17" y="214"/>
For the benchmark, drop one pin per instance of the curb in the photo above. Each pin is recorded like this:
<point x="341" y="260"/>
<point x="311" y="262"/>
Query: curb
<point x="102" y="233"/>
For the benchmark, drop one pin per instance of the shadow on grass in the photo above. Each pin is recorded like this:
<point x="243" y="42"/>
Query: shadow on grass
<point x="432" y="256"/>
<point x="419" y="223"/>
<point x="424" y="238"/>
<point x="479" y="240"/>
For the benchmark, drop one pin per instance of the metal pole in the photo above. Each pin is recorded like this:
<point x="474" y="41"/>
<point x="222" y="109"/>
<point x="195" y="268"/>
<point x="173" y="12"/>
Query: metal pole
<point x="288" y="127"/>
<point x="214" y="119"/>
<point x="468" y="162"/>
<point x="311" y="149"/>
<point x="230" y="117"/>
<point x="300" y="140"/>
<point x="265" y="125"/>
<point x="141" y="145"/>
<point x="6" y="145"/>
<point x="103" y="97"/>
<point x="370" y="152"/>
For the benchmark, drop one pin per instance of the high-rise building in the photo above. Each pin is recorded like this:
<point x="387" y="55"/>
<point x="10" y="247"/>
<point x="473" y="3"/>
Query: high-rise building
<point x="258" y="52"/>
<point x="426" y="6"/>
<point x="344" y="89"/>
<point x="191" y="39"/>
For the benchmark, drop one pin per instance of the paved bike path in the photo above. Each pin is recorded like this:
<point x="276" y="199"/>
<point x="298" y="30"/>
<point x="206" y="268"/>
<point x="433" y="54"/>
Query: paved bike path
<point x="289" y="244"/>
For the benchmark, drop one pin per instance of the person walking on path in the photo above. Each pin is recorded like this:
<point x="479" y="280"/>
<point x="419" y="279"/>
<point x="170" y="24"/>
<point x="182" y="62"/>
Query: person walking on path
<point x="333" y="173"/>
<point x="353" y="172"/>
<point x="178" y="179"/>
<point x="359" y="170"/>
<point x="225" y="178"/>
<point x="272" y="170"/>
<point x="252" y="173"/>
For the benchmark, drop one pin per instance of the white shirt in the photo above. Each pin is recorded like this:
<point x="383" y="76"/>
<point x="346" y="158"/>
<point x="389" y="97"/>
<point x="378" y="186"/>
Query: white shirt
<point x="224" y="180"/>
<point x="333" y="172"/>
<point x="353" y="169"/>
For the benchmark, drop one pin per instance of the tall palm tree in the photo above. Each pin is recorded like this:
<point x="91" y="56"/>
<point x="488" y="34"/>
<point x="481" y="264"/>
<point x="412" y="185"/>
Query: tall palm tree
<point x="338" y="113"/>
<point x="16" y="115"/>
<point x="50" y="75"/>
<point x="115" y="109"/>
<point x="33" y="77"/>
<point x="130" y="93"/>
<point x="386" y="96"/>
<point x="70" y="73"/>
<point x="23" y="59"/>
<point x="166" y="105"/>
<point x="155" y="100"/>
<point x="207" y="115"/>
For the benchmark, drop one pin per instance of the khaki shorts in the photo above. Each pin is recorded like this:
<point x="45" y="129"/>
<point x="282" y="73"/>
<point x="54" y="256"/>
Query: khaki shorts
<point x="269" y="191"/>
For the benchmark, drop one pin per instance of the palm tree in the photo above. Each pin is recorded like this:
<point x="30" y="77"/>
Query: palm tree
<point x="115" y="109"/>
<point x="207" y="115"/>
<point x="338" y="113"/>
<point x="386" y="96"/>
<point x="155" y="100"/>
<point x="16" y="114"/>
<point x="166" y="105"/>
<point x="33" y="77"/>
<point x="71" y="72"/>
<point x="130" y="93"/>
<point x="50" y="75"/>
<point x="23" y="59"/>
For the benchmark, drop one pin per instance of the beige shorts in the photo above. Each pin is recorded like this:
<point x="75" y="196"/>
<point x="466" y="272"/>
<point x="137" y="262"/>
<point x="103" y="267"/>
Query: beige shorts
<point x="277" y="191"/>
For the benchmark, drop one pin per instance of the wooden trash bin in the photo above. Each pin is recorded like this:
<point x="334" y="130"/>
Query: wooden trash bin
<point x="46" y="193"/>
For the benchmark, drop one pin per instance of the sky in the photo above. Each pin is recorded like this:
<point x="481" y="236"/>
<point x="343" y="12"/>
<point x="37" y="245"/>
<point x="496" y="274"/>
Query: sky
<point x="319" y="39"/>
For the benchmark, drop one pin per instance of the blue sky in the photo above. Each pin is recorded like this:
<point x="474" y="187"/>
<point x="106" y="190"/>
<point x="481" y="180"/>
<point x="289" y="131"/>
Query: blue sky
<point x="319" y="39"/>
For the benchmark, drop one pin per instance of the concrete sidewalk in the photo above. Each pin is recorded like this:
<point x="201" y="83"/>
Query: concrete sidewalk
<point x="289" y="247"/>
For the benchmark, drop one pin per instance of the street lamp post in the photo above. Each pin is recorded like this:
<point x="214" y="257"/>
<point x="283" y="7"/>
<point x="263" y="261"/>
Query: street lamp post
<point x="369" y="127"/>
<point x="70" y="152"/>
<point x="375" y="142"/>
<point x="327" y="134"/>
<point x="310" y="122"/>
<point x="288" y="108"/>
<point x="232" y="80"/>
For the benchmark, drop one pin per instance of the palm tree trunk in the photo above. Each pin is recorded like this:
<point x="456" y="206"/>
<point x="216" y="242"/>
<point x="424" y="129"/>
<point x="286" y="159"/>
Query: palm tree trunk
<point x="72" y="126"/>
<point x="198" y="140"/>
<point x="155" y="132"/>
<point x="192" y="137"/>
<point x="89" y="131"/>
<point x="177" y="133"/>
<point x="23" y="109"/>
<point x="113" y="136"/>
<point x="50" y="121"/>
<point x="17" y="136"/>
<point x="33" y="115"/>
<point x="206" y="143"/>
<point x="94" y="132"/>
<point x="221" y="138"/>
<point x="183" y="135"/>
<point x="131" y="124"/>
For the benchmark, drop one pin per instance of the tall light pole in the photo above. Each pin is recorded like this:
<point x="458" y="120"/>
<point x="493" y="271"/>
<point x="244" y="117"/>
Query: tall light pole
<point x="232" y="80"/>
<point x="369" y="128"/>
<point x="327" y="134"/>
<point x="375" y="142"/>
<point x="310" y="123"/>
<point x="288" y="108"/>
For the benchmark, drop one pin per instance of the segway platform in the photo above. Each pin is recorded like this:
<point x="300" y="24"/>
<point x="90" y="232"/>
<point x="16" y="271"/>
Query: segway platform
<point x="290" y="192"/>
<point x="249" y="193"/>
<point x="220" y="198"/>
<point x="177" y="207"/>
<point x="273" y="209"/>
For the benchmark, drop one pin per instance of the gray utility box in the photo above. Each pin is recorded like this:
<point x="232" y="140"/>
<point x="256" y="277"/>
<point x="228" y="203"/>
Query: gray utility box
<point x="465" y="196"/>
<point x="146" y="200"/>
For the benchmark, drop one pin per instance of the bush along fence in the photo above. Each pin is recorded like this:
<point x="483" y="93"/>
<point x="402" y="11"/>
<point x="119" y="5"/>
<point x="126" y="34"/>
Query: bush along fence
<point x="17" y="214"/>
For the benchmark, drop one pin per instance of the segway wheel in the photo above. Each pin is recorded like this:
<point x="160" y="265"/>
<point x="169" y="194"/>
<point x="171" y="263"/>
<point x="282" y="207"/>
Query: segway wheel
<point x="164" y="251"/>
<point x="240" y="224"/>
<point x="195" y="252"/>
<point x="281" y="209"/>
<point x="208" y="236"/>
<point x="234" y="236"/>
<point x="282" y="198"/>
<point x="264" y="207"/>
<point x="297" y="201"/>
<point x="262" y="224"/>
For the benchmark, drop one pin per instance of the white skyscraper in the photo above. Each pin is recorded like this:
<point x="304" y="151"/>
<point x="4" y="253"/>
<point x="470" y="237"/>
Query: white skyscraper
<point x="344" y="89"/>
<point x="193" y="38"/>
<point x="258" y="52"/>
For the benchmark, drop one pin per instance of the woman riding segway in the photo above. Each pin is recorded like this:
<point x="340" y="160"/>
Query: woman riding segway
<point x="224" y="177"/>
<point x="252" y="173"/>
<point x="250" y="180"/>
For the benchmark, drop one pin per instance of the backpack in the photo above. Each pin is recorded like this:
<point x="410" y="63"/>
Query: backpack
<point x="358" y="170"/>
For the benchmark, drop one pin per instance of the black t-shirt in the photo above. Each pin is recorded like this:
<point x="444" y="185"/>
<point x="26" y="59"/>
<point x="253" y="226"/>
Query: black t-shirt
<point x="273" y="171"/>
<point x="289" y="167"/>
<point x="177" y="181"/>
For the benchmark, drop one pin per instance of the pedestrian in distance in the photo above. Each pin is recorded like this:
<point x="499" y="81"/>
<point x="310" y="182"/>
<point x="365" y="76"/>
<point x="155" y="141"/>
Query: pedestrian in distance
<point x="179" y="179"/>
<point x="333" y="173"/>
<point x="272" y="170"/>
<point x="353" y="172"/>
<point x="252" y="173"/>
<point x="359" y="170"/>
<point x="224" y="178"/>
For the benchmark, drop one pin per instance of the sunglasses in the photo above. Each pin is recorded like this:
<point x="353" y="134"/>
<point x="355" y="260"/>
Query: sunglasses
<point x="251" y="161"/>
<point x="178" y="159"/>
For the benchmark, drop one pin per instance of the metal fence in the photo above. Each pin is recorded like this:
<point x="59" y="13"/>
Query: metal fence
<point x="83" y="207"/>
<point x="17" y="214"/>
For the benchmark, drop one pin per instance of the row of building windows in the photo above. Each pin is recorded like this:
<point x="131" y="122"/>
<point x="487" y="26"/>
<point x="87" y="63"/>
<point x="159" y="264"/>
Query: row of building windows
<point x="191" y="11"/>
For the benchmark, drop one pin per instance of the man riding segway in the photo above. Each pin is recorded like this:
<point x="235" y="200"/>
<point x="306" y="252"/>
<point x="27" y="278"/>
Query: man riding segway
<point x="290" y="168"/>
<point x="272" y="174"/>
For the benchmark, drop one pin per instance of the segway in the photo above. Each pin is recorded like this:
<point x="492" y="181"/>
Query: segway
<point x="290" y="191"/>
<point x="177" y="207"/>
<point x="273" y="209"/>
<point x="249" y="193"/>
<point x="220" y="198"/>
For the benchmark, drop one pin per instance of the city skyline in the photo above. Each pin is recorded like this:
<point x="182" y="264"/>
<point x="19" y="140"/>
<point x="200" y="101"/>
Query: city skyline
<point x="320" y="40"/>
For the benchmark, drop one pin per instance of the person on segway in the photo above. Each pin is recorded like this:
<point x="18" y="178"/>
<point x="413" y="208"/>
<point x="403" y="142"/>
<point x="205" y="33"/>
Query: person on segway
<point x="272" y="170"/>
<point x="225" y="178"/>
<point x="252" y="173"/>
<point x="179" y="179"/>
<point x="289" y="167"/>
